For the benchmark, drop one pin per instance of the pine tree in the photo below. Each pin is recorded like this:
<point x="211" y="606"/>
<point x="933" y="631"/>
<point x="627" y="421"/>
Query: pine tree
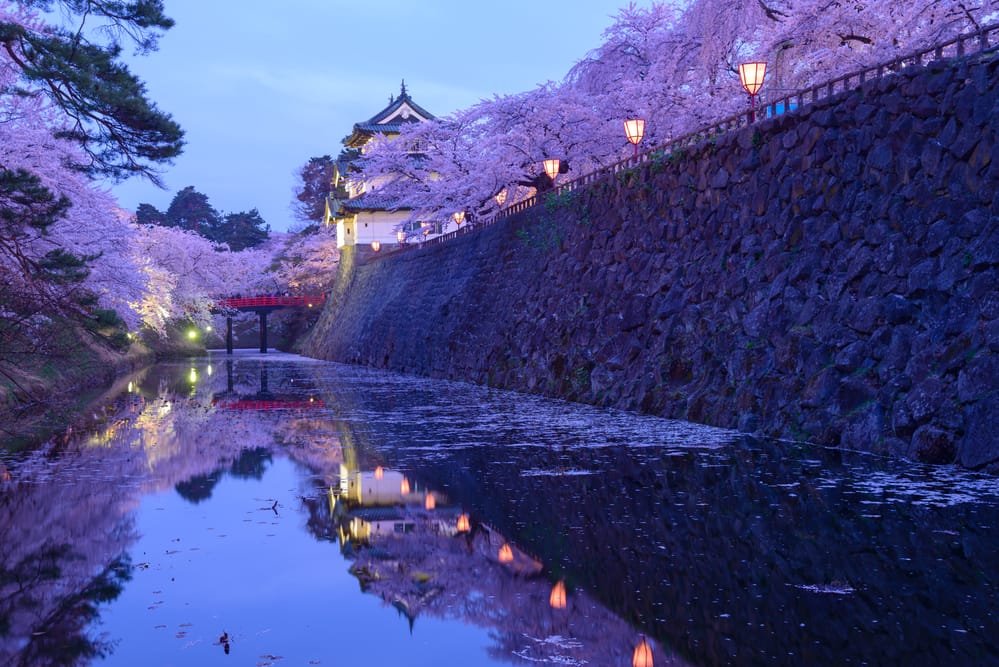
<point x="316" y="182"/>
<point x="190" y="210"/>
<point x="243" y="230"/>
<point x="120" y="130"/>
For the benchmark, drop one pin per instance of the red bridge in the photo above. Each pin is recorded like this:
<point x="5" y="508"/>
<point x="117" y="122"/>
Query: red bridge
<point x="263" y="305"/>
<point x="285" y="301"/>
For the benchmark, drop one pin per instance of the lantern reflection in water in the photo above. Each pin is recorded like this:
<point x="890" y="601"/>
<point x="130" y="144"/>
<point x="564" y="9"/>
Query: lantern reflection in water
<point x="643" y="655"/>
<point x="404" y="486"/>
<point x="557" y="598"/>
<point x="505" y="553"/>
<point x="430" y="502"/>
<point x="463" y="523"/>
<point x="379" y="472"/>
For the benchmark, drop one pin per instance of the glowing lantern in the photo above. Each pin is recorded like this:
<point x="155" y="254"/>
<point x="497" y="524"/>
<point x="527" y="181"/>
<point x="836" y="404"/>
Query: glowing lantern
<point x="400" y="236"/>
<point x="463" y="523"/>
<point x="376" y="245"/>
<point x="634" y="129"/>
<point x="505" y="553"/>
<point x="501" y="197"/>
<point x="557" y="598"/>
<point x="459" y="217"/>
<point x="379" y="472"/>
<point x="430" y="502"/>
<point x="751" y="75"/>
<point x="643" y="655"/>
<point x="552" y="166"/>
<point x="404" y="487"/>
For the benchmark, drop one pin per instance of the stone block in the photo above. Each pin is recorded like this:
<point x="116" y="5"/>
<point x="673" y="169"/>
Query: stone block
<point x="979" y="446"/>
<point x="926" y="398"/>
<point x="931" y="444"/>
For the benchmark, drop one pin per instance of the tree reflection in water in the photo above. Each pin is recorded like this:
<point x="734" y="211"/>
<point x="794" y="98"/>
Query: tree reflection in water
<point x="721" y="550"/>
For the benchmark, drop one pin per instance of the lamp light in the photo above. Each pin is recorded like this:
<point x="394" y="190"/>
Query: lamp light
<point x="643" y="655"/>
<point x="459" y="217"/>
<point x="404" y="486"/>
<point x="634" y="129"/>
<point x="552" y="166"/>
<point x="400" y="236"/>
<point x="429" y="502"/>
<point x="501" y="197"/>
<point x="379" y="472"/>
<point x="751" y="75"/>
<point x="376" y="245"/>
<point x="463" y="523"/>
<point x="557" y="598"/>
<point x="505" y="553"/>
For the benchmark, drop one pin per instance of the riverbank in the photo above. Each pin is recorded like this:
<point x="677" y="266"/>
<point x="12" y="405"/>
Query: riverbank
<point x="45" y="392"/>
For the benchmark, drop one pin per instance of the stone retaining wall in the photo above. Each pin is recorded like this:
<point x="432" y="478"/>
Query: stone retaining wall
<point x="828" y="275"/>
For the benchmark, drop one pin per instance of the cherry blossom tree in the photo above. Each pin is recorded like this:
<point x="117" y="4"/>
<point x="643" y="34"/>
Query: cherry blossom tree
<point x="186" y="274"/>
<point x="69" y="111"/>
<point x="306" y="262"/>
<point x="63" y="242"/>
<point x="674" y="64"/>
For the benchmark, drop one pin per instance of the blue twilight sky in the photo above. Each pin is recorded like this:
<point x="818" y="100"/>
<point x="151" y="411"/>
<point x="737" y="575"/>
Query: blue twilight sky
<point x="260" y="86"/>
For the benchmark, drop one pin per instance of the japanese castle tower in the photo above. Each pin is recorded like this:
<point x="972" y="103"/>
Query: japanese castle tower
<point x="360" y="214"/>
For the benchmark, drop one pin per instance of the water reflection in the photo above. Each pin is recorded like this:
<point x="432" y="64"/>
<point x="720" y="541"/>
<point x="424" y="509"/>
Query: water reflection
<point x="560" y="534"/>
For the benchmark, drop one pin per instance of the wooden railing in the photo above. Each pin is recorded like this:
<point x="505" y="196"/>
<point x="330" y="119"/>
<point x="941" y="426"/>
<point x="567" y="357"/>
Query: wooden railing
<point x="980" y="41"/>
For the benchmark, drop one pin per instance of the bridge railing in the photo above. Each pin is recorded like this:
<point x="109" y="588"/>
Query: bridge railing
<point x="273" y="301"/>
<point x="979" y="41"/>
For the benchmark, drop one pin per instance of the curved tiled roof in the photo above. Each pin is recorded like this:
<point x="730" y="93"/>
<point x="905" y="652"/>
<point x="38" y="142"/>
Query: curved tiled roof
<point x="371" y="201"/>
<point x="388" y="120"/>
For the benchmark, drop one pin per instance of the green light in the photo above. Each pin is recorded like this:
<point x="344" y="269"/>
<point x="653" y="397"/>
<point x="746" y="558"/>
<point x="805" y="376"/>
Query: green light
<point x="192" y="334"/>
<point x="193" y="377"/>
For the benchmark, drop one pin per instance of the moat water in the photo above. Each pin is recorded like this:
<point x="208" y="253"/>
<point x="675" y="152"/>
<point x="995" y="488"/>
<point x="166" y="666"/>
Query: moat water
<point x="275" y="510"/>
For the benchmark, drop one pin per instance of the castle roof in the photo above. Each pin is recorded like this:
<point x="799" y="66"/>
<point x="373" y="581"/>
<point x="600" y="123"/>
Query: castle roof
<point x="400" y="111"/>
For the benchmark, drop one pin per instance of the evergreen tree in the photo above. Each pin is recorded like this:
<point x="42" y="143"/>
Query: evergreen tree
<point x="147" y="214"/>
<point x="243" y="230"/>
<point x="190" y="210"/>
<point x="316" y="183"/>
<point x="121" y="131"/>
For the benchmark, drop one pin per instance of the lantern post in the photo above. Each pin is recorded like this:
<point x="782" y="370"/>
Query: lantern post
<point x="552" y="165"/>
<point x="634" y="130"/>
<point x="751" y="75"/>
